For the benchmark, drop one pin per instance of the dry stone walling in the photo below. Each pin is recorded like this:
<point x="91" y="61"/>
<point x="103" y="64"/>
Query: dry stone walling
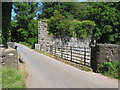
<point x="61" y="47"/>
<point x="45" y="40"/>
<point x="99" y="53"/>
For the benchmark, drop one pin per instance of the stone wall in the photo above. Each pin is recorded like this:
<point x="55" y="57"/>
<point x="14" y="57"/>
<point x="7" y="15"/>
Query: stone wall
<point x="9" y="57"/>
<point x="44" y="39"/>
<point x="104" y="53"/>
<point x="37" y="46"/>
<point x="100" y="53"/>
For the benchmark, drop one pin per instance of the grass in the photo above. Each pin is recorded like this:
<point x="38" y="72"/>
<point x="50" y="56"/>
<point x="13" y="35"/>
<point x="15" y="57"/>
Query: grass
<point x="111" y="69"/>
<point x="13" y="78"/>
<point x="26" y="44"/>
<point x="66" y="61"/>
<point x="0" y="77"/>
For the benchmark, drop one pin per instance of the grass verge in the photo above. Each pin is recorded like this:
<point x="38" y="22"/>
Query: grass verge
<point x="110" y="69"/>
<point x="66" y="61"/>
<point x="0" y="77"/>
<point x="13" y="78"/>
<point x="26" y="44"/>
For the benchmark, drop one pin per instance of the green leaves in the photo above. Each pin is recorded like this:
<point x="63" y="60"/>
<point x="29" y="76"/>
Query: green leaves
<point x="61" y="26"/>
<point x="106" y="16"/>
<point x="84" y="28"/>
<point x="70" y="19"/>
<point x="25" y="25"/>
<point x="107" y="29"/>
<point x="110" y="69"/>
<point x="67" y="9"/>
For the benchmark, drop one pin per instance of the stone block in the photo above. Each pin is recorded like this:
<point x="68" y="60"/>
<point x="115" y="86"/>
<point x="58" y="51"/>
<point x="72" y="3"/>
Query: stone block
<point x="11" y="45"/>
<point x="10" y="58"/>
<point x="37" y="46"/>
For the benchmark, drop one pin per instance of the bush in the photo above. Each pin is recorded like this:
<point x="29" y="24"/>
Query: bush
<point x="110" y="69"/>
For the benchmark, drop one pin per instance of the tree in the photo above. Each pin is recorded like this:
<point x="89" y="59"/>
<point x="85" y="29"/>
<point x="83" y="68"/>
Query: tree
<point x="24" y="23"/>
<point x="106" y="16"/>
<point x="84" y="28"/>
<point x="6" y="17"/>
<point x="33" y="29"/>
<point x="14" y="33"/>
<point x="48" y="8"/>
<point x="61" y="16"/>
<point x="60" y="26"/>
<point x="67" y="9"/>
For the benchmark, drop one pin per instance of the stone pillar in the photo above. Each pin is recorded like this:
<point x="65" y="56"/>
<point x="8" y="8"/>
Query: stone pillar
<point x="104" y="53"/>
<point x="10" y="58"/>
<point x="42" y="34"/>
<point x="94" y="58"/>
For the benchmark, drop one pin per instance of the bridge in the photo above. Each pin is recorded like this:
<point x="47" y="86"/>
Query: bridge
<point x="46" y="72"/>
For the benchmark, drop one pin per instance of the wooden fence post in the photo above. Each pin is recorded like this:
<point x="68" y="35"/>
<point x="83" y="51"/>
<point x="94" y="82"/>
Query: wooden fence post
<point x="67" y="52"/>
<point x="61" y="52"/>
<point x="55" y="50"/>
<point x="51" y="50"/>
<point x="40" y="47"/>
<point x="84" y="56"/>
<point x="71" y="52"/>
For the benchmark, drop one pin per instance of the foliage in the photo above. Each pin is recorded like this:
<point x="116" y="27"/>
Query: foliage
<point x="106" y="16"/>
<point x="77" y="10"/>
<point x="71" y="27"/>
<point x="84" y="28"/>
<point x="33" y="31"/>
<point x="24" y="26"/>
<point x="110" y="69"/>
<point x="26" y="44"/>
<point x="6" y="15"/>
<point x="14" y="32"/>
<point x="56" y="24"/>
<point x="12" y="78"/>
<point x="69" y="10"/>
<point x="67" y="19"/>
<point x="60" y="20"/>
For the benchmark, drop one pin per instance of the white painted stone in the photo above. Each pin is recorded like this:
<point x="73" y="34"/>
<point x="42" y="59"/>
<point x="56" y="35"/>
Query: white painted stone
<point x="11" y="54"/>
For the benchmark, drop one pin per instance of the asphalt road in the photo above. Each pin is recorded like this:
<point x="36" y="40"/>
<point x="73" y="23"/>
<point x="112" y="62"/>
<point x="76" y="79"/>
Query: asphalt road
<point x="46" y="72"/>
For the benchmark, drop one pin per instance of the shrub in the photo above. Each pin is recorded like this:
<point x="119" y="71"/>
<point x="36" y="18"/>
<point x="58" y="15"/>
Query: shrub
<point x="110" y="69"/>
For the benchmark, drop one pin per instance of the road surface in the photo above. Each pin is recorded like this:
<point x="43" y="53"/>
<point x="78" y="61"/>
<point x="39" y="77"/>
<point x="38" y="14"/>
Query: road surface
<point x="46" y="72"/>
